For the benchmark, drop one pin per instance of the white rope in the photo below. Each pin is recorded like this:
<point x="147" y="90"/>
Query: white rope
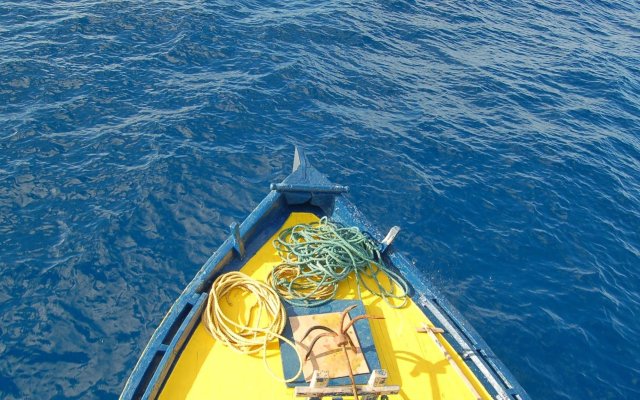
<point x="249" y="338"/>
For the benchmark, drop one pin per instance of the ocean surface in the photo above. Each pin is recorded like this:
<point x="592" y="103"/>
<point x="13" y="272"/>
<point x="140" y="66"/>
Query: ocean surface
<point x="502" y="136"/>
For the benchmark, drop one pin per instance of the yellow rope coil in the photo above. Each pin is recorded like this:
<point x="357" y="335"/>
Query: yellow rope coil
<point x="249" y="338"/>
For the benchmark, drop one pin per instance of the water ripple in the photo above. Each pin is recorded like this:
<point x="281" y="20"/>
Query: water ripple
<point x="502" y="137"/>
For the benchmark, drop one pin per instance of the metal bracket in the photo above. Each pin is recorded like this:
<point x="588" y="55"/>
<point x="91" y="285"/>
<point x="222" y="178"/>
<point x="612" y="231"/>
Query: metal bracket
<point x="238" y="243"/>
<point x="467" y="354"/>
<point x="432" y="333"/>
<point x="386" y="242"/>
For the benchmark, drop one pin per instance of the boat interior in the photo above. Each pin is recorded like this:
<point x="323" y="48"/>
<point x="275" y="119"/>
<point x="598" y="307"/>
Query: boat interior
<point x="403" y="344"/>
<point x="357" y="342"/>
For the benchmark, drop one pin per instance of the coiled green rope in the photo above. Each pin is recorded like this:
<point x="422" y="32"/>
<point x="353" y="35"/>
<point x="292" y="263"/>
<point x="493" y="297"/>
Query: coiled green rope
<point x="318" y="256"/>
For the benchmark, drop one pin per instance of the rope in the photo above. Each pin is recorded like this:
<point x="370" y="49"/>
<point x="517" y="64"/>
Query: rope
<point x="247" y="338"/>
<point x="318" y="256"/>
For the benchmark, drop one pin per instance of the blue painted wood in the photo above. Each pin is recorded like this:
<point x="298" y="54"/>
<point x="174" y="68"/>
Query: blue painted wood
<point x="145" y="380"/>
<point x="149" y="373"/>
<point x="170" y="351"/>
<point x="166" y="343"/>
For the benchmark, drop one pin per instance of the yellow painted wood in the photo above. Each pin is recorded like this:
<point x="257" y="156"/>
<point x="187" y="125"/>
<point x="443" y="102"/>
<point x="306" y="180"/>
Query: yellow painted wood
<point x="209" y="370"/>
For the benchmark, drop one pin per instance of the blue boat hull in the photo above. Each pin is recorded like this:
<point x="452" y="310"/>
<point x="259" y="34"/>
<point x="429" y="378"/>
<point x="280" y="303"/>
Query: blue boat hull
<point x="306" y="190"/>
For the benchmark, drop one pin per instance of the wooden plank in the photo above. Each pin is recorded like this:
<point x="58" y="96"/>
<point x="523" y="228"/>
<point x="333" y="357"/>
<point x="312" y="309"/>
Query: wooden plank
<point x="327" y="355"/>
<point x="427" y="329"/>
<point x="430" y="330"/>
<point x="363" y="390"/>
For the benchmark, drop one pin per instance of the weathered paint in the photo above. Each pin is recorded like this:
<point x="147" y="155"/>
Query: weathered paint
<point x="314" y="192"/>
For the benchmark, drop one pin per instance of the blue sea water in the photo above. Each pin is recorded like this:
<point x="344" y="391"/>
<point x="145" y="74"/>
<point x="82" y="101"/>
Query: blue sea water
<point x="503" y="136"/>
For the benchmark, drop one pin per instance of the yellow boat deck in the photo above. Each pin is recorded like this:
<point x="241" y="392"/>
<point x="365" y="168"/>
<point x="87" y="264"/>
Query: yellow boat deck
<point x="209" y="370"/>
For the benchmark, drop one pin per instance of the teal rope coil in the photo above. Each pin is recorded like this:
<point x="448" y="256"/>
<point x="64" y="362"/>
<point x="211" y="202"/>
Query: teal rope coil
<point x="318" y="256"/>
